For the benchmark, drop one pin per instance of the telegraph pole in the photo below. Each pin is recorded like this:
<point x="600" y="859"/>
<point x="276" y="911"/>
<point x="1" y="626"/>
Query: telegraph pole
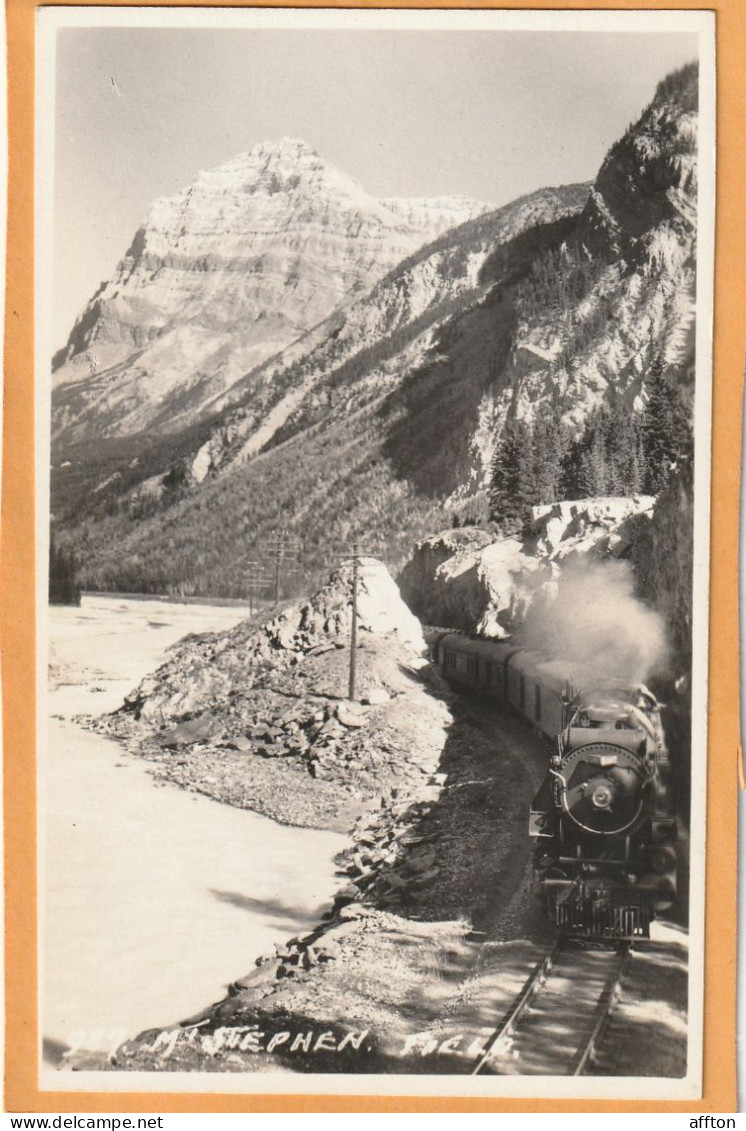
<point x="281" y="547"/>
<point x="257" y="579"/>
<point x="353" y="626"/>
<point x="354" y="552"/>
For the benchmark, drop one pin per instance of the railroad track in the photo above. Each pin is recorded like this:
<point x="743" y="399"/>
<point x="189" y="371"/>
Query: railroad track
<point x="554" y="1026"/>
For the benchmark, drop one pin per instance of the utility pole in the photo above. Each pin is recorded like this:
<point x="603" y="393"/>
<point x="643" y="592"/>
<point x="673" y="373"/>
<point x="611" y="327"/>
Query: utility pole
<point x="353" y="626"/>
<point x="282" y="547"/>
<point x="354" y="553"/>
<point x="257" y="579"/>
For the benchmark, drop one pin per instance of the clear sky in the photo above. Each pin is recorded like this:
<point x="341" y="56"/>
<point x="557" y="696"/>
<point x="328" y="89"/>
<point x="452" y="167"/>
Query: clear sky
<point x="491" y="114"/>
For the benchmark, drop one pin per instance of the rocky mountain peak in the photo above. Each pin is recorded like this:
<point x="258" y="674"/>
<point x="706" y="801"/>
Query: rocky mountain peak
<point x="649" y="177"/>
<point x="224" y="275"/>
<point x="564" y="319"/>
<point x="276" y="167"/>
<point x="292" y="146"/>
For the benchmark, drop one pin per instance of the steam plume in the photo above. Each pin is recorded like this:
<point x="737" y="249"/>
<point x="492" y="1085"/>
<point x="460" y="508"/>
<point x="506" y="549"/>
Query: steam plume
<point x="593" y="622"/>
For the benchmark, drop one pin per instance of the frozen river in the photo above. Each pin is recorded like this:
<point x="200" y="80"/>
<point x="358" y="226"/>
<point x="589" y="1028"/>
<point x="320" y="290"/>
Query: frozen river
<point x="153" y="898"/>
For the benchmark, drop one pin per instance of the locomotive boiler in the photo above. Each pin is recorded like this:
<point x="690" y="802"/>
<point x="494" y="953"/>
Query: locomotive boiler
<point x="603" y="820"/>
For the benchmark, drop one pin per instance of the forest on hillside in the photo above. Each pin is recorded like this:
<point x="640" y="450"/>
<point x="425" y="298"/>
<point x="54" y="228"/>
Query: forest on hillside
<point x="619" y="453"/>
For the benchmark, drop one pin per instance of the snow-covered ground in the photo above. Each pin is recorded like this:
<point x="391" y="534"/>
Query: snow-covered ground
<point x="152" y="899"/>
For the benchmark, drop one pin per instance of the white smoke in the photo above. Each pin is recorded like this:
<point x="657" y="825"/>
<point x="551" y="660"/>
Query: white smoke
<point x="593" y="623"/>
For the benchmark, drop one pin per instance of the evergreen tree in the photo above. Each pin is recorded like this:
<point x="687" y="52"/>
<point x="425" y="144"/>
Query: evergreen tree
<point x="512" y="476"/>
<point x="591" y="462"/>
<point x="620" y="452"/>
<point x="607" y="459"/>
<point x="593" y="478"/>
<point x="569" y="486"/>
<point x="527" y="470"/>
<point x="549" y="442"/>
<point x="623" y="445"/>
<point x="666" y="427"/>
<point x="64" y="588"/>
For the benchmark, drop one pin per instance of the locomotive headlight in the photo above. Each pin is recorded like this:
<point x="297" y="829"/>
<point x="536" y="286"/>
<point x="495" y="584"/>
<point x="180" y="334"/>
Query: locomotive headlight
<point x="601" y="787"/>
<point x="602" y="796"/>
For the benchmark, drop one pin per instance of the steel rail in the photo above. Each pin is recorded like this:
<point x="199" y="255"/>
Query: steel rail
<point x="531" y="987"/>
<point x="602" y="1011"/>
<point x="581" y="1057"/>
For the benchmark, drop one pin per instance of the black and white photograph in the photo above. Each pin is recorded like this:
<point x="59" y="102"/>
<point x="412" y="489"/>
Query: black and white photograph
<point x="373" y="407"/>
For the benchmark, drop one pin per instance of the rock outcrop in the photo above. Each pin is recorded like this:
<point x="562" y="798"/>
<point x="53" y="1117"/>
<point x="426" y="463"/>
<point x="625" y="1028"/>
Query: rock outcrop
<point x="207" y="671"/>
<point x="474" y="582"/>
<point x="602" y="526"/>
<point x="259" y="716"/>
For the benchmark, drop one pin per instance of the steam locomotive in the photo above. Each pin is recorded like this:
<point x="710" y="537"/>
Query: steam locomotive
<point x="603" y="820"/>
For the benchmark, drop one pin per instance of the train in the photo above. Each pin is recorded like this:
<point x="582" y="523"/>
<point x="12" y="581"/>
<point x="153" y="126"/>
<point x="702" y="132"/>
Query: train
<point x="603" y="821"/>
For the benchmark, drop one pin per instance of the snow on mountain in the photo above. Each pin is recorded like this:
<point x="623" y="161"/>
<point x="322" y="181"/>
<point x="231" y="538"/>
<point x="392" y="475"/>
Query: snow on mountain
<point x="224" y="275"/>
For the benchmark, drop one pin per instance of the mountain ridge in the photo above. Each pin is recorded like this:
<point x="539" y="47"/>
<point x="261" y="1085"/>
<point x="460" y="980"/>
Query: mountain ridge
<point x="397" y="305"/>
<point x="390" y="418"/>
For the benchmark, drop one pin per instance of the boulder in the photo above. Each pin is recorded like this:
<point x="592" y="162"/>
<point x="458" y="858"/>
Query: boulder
<point x="380" y="611"/>
<point x="239" y="742"/>
<point x="376" y="697"/>
<point x="351" y="715"/>
<point x="263" y="975"/>
<point x="201" y="729"/>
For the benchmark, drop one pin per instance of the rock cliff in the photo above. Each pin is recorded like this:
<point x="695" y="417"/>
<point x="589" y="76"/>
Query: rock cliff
<point x="617" y="295"/>
<point x="472" y="581"/>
